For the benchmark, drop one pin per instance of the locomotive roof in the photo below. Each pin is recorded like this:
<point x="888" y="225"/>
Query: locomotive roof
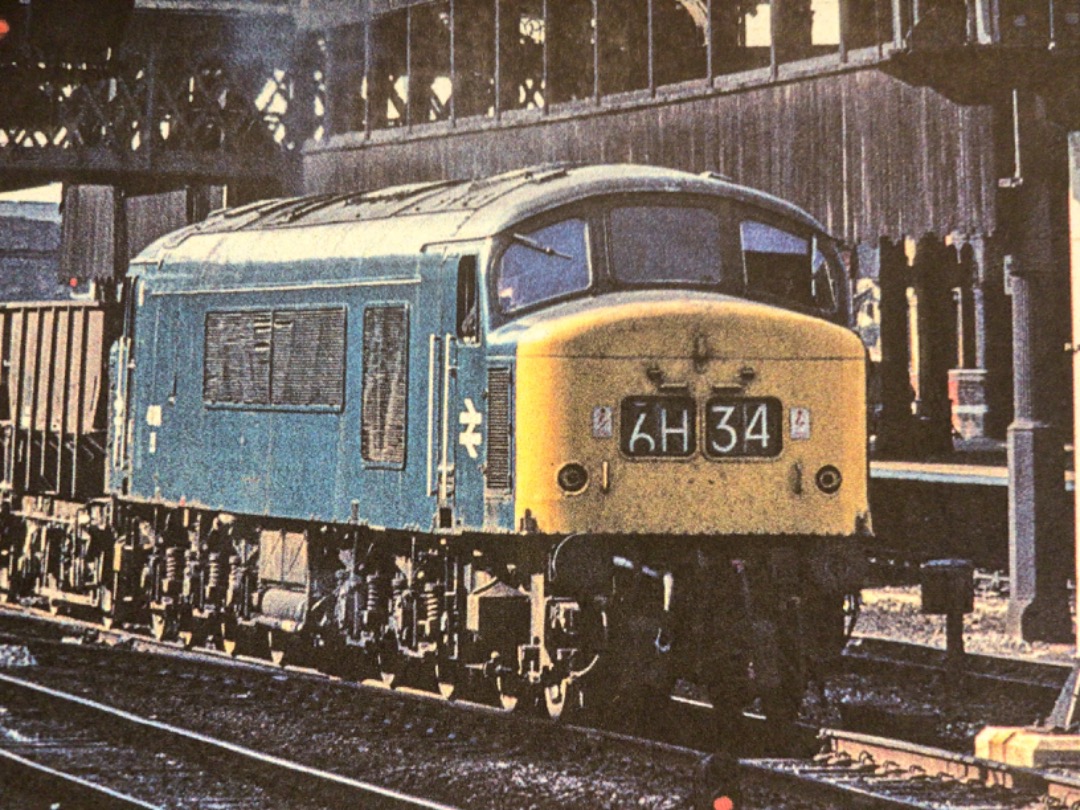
<point x="412" y="216"/>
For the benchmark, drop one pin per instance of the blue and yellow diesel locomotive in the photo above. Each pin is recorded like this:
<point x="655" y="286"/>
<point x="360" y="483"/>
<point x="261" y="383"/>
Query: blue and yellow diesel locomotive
<point x="565" y="434"/>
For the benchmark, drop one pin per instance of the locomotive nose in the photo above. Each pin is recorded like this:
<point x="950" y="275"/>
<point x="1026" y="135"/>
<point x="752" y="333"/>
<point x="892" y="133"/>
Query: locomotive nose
<point x="683" y="415"/>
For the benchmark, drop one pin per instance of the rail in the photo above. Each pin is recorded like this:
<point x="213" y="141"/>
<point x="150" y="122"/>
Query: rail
<point x="876" y="772"/>
<point x="364" y="793"/>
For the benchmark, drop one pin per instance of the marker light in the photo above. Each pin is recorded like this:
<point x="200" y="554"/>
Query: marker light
<point x="5" y="28"/>
<point x="828" y="479"/>
<point x="573" y="477"/>
<point x="723" y="803"/>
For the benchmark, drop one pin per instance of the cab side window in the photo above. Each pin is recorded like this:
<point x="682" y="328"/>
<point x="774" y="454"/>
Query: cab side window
<point x="544" y="264"/>
<point x="776" y="262"/>
<point x="468" y="301"/>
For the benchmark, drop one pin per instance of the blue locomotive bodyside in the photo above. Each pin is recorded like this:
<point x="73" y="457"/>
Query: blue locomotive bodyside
<point x="258" y="361"/>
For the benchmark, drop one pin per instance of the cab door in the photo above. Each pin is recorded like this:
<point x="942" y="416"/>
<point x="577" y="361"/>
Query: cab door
<point x="455" y="406"/>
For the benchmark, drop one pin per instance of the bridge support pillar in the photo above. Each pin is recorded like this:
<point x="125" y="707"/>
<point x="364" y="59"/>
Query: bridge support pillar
<point x="93" y="236"/>
<point x="103" y="228"/>
<point x="935" y="268"/>
<point x="1040" y="544"/>
<point x="894" y="430"/>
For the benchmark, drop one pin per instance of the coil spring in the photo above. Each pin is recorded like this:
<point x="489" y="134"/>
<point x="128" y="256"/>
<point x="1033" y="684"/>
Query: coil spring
<point x="431" y="604"/>
<point x="236" y="578"/>
<point x="174" y="561"/>
<point x="398" y="587"/>
<point x="376" y="593"/>
<point x="216" y="570"/>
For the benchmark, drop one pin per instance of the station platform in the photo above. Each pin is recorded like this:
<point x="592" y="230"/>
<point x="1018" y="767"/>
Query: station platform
<point x="950" y="473"/>
<point x="954" y="505"/>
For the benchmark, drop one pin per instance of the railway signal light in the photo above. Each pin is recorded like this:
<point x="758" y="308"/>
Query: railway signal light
<point x="718" y="783"/>
<point x="63" y="31"/>
<point x="12" y="27"/>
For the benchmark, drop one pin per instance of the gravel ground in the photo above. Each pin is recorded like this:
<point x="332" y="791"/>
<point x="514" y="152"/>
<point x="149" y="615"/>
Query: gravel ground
<point x="477" y="760"/>
<point x="929" y="712"/>
<point x="893" y="613"/>
<point x="471" y="759"/>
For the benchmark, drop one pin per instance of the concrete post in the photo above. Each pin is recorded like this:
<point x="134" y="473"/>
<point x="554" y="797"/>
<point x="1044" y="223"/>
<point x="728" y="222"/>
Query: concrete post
<point x="1039" y="539"/>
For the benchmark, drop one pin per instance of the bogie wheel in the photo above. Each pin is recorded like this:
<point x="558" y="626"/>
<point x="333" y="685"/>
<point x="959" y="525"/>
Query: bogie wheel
<point x="392" y="667"/>
<point x="449" y="676"/>
<point x="279" y="644"/>
<point x="515" y="694"/>
<point x="106" y="605"/>
<point x="230" y="637"/>
<point x="161" y="625"/>
<point x="564" y="700"/>
<point x="191" y="633"/>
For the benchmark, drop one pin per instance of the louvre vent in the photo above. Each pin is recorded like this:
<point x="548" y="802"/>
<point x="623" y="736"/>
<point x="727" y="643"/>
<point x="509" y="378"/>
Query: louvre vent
<point x="309" y="357"/>
<point x="498" y="445"/>
<point x="236" y="368"/>
<point x="283" y="358"/>
<point x="386" y="384"/>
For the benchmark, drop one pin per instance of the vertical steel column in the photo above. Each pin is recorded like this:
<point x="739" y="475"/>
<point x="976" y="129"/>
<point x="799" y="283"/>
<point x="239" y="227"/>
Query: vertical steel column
<point x="408" y="69"/>
<point x="1039" y="546"/>
<point x="329" y="82"/>
<point x="453" y="63"/>
<point x="775" y="10"/>
<point x="149" y="127"/>
<point x="894" y="426"/>
<point x="710" y="73"/>
<point x="369" y="43"/>
<point x="898" y="23"/>
<point x="1074" y="263"/>
<point x="844" y="18"/>
<point x="498" y="60"/>
<point x="545" y="77"/>
<point x="934" y="267"/>
<point x="596" y="51"/>
<point x="650" y="10"/>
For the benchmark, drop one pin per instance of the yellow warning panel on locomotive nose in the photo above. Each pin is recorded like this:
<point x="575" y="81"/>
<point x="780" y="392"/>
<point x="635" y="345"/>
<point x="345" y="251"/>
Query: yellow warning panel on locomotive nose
<point x="699" y="416"/>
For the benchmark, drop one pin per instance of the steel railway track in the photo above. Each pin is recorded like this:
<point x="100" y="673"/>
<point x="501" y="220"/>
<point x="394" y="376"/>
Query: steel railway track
<point x="81" y="745"/>
<point x="858" y="770"/>
<point x="863" y="771"/>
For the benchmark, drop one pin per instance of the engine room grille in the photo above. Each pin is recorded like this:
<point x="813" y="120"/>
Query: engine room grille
<point x="386" y="384"/>
<point x="309" y="357"/>
<point x="285" y="358"/>
<point x="498" y="446"/>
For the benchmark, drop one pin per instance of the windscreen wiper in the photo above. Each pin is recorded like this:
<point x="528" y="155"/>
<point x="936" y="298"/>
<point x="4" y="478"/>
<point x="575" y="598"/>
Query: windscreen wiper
<point x="547" y="250"/>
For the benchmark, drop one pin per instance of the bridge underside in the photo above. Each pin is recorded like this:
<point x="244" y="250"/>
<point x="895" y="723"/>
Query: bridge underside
<point x="170" y="99"/>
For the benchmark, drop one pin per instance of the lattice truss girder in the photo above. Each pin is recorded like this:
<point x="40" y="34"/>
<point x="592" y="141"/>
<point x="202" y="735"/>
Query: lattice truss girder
<point x="178" y="86"/>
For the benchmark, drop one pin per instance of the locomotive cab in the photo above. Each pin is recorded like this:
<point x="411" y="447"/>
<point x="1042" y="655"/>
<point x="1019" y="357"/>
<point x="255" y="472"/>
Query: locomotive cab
<point x="681" y="423"/>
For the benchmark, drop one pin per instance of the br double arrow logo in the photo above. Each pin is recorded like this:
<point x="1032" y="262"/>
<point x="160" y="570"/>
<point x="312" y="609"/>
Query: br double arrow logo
<point x="471" y="438"/>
